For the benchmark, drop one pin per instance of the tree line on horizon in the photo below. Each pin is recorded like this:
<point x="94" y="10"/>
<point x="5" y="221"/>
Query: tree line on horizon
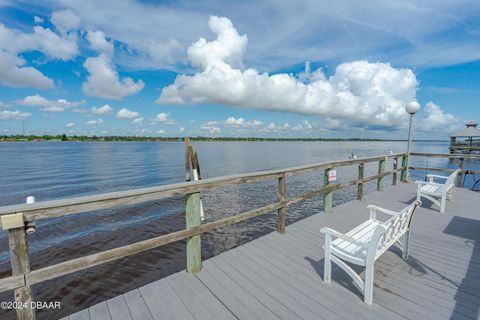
<point x="64" y="137"/>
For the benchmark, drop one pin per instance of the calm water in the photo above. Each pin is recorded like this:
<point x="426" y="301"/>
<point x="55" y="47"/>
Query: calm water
<point x="54" y="170"/>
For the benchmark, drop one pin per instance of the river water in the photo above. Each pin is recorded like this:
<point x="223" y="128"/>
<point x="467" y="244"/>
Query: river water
<point x="53" y="170"/>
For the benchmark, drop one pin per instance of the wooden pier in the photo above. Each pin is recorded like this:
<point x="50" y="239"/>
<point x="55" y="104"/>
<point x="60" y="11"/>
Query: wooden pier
<point x="279" y="276"/>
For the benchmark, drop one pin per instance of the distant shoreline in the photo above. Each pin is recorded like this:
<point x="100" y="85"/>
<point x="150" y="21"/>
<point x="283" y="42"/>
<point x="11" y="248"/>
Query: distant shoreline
<point x="34" y="138"/>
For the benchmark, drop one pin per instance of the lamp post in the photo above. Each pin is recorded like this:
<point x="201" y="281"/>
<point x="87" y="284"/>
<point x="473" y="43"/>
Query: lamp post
<point x="411" y="108"/>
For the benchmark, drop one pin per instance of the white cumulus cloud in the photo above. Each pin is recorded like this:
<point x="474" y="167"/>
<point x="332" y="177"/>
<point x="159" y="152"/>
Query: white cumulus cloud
<point x="359" y="91"/>
<point x="14" y="115"/>
<point x="98" y="42"/>
<point x="104" y="82"/>
<point x="46" y="105"/>
<point x="95" y="122"/>
<point x="436" y="119"/>
<point x="65" y="20"/>
<point x="70" y="125"/>
<point x="13" y="42"/>
<point x="162" y="117"/>
<point x="127" y="114"/>
<point x="13" y="73"/>
<point x="102" y="110"/>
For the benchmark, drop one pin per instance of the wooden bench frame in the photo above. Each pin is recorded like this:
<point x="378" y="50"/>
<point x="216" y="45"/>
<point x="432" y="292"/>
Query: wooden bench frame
<point x="365" y="243"/>
<point x="438" y="193"/>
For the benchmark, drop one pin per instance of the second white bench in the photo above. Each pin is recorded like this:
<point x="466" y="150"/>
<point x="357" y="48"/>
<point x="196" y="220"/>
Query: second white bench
<point x="437" y="192"/>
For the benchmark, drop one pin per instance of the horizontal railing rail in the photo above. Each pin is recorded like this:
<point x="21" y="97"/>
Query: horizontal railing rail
<point x="22" y="277"/>
<point x="452" y="156"/>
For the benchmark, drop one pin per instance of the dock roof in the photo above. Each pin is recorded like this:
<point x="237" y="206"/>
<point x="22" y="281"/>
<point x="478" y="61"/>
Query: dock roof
<point x="470" y="130"/>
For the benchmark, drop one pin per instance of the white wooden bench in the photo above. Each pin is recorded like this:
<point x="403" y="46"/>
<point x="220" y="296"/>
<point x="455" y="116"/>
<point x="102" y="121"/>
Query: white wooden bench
<point x="365" y="243"/>
<point x="437" y="192"/>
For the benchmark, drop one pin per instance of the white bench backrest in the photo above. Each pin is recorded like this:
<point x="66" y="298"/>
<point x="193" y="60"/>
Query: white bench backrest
<point x="391" y="230"/>
<point x="451" y="178"/>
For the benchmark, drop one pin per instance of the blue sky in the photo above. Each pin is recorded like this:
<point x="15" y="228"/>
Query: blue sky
<point x="283" y="69"/>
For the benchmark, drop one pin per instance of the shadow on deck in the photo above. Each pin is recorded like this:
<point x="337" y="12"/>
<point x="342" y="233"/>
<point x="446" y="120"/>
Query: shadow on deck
<point x="280" y="277"/>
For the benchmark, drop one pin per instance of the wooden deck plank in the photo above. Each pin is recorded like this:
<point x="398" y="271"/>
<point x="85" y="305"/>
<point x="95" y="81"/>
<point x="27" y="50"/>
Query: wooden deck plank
<point x="169" y="297"/>
<point x="242" y="305"/>
<point x="100" y="312"/>
<point x="194" y="300"/>
<point x="81" y="315"/>
<point x="137" y="306"/>
<point x="280" y="276"/>
<point x="154" y="302"/>
<point x="300" y="269"/>
<point x="118" y="308"/>
<point x="255" y="290"/>
<point x="290" y="296"/>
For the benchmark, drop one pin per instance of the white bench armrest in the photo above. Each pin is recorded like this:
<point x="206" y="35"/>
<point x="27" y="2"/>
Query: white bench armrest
<point x="343" y="237"/>
<point x="373" y="209"/>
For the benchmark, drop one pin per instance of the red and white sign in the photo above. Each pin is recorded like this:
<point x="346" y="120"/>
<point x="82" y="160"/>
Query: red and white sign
<point x="332" y="175"/>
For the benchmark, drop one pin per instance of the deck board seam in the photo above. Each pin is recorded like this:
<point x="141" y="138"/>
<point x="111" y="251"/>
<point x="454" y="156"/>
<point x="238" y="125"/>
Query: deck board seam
<point x="216" y="297"/>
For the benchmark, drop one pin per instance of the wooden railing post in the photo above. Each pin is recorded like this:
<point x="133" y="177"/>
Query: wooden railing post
<point x="194" y="246"/>
<point x="395" y="168"/>
<point x="17" y="241"/>
<point x="403" y="174"/>
<point x="282" y="212"/>
<point x="381" y="178"/>
<point x="460" y="174"/>
<point x="327" y="200"/>
<point x="361" y="171"/>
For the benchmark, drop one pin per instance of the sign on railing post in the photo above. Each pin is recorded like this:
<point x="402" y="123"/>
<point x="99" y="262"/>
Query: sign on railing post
<point x="381" y="178"/>
<point x="194" y="245"/>
<point x="361" y="170"/>
<point x="327" y="200"/>
<point x="403" y="174"/>
<point x="282" y="212"/>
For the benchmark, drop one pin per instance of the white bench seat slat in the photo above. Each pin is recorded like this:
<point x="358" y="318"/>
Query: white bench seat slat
<point x="361" y="233"/>
<point x="366" y="243"/>
<point x="432" y="190"/>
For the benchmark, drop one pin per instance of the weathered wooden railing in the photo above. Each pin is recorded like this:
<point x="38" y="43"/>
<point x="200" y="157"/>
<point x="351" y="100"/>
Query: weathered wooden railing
<point x="460" y="157"/>
<point x="14" y="218"/>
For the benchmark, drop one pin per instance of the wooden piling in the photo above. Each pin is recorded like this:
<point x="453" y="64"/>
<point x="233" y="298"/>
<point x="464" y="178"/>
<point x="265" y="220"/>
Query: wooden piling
<point x="460" y="174"/>
<point x="283" y="210"/>
<point x="328" y="198"/>
<point x="194" y="246"/>
<point x="361" y="172"/>
<point x="381" y="178"/>
<point x="17" y="241"/>
<point x="403" y="174"/>
<point x="394" y="174"/>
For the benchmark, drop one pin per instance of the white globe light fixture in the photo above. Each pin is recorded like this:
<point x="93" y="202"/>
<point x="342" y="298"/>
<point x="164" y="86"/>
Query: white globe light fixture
<point x="412" y="108"/>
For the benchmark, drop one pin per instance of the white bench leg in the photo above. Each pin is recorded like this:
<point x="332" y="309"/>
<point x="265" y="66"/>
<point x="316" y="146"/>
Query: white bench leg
<point x="327" y="268"/>
<point x="442" y="202"/>
<point x="368" y="289"/>
<point x="406" y="245"/>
